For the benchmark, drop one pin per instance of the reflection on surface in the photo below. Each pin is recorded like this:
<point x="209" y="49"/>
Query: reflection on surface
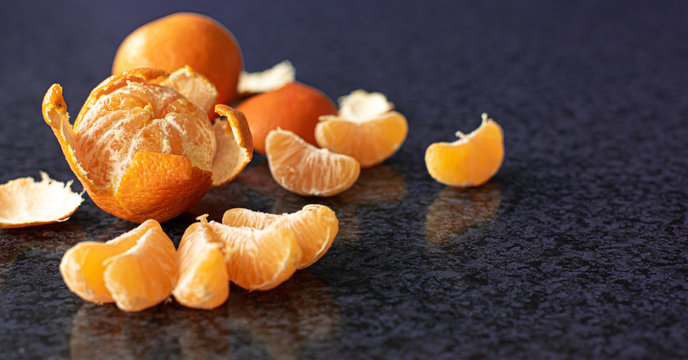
<point x="454" y="210"/>
<point x="379" y="184"/>
<point x="51" y="238"/>
<point x="283" y="321"/>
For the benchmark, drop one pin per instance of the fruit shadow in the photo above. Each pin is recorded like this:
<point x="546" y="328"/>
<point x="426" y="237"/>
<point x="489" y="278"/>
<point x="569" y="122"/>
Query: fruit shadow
<point x="282" y="323"/>
<point x="456" y="210"/>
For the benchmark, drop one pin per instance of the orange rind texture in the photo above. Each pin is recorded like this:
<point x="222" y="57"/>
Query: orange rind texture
<point x="315" y="227"/>
<point x="142" y="150"/>
<point x="295" y="107"/>
<point x="365" y="128"/>
<point x="306" y="170"/>
<point x="26" y="202"/>
<point x="136" y="270"/>
<point x="181" y="39"/>
<point x="469" y="161"/>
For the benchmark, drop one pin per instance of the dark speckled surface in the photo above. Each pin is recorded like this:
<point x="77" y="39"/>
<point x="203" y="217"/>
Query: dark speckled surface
<point x="576" y="249"/>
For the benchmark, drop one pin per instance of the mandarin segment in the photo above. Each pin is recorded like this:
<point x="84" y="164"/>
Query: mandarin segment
<point x="203" y="280"/>
<point x="365" y="128"/>
<point x="306" y="170"/>
<point x="254" y="259"/>
<point x="143" y="150"/>
<point x="136" y="270"/>
<point x="469" y="161"/>
<point x="315" y="227"/>
<point x="295" y="107"/>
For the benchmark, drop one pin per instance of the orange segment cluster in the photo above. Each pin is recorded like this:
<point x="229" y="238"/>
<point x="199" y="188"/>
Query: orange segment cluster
<point x="136" y="270"/>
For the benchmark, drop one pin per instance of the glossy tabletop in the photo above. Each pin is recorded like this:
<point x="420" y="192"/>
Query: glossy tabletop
<point x="575" y="249"/>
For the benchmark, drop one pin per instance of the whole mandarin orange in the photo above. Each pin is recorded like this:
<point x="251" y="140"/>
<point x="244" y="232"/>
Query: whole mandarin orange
<point x="295" y="107"/>
<point x="181" y="39"/>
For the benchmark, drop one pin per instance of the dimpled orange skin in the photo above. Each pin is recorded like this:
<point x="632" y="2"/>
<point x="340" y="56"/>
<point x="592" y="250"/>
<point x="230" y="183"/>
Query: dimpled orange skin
<point x="295" y="107"/>
<point x="181" y="39"/>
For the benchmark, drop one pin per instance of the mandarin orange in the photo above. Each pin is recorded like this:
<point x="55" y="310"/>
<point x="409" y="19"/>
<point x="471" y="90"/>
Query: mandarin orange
<point x="306" y="170"/>
<point x="136" y="270"/>
<point x="469" y="161"/>
<point x="295" y="107"/>
<point x="315" y="227"/>
<point x="142" y="150"/>
<point x="181" y="39"/>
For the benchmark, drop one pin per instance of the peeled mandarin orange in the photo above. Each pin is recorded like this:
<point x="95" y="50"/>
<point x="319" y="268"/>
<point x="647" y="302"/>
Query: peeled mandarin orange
<point x="469" y="161"/>
<point x="181" y="39"/>
<point x="295" y="107"/>
<point x="306" y="170"/>
<point x="203" y="281"/>
<point x="254" y="259"/>
<point x="142" y="150"/>
<point x="366" y="128"/>
<point x="26" y="202"/>
<point x="314" y="226"/>
<point x="136" y="270"/>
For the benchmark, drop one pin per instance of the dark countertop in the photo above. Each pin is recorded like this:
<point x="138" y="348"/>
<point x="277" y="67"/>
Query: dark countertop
<point x="575" y="249"/>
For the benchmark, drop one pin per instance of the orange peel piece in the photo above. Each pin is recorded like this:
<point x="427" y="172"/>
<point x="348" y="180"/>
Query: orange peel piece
<point x="26" y="202"/>
<point x="266" y="80"/>
<point x="366" y="128"/>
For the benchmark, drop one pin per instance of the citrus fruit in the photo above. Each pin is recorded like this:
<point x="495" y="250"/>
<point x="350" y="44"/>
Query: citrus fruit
<point x="136" y="270"/>
<point x="254" y="259"/>
<point x="144" y="151"/>
<point x="295" y="107"/>
<point x="181" y="39"/>
<point x="306" y="170"/>
<point x="29" y="203"/>
<point x="315" y="227"/>
<point x="365" y="128"/>
<point x="203" y="281"/>
<point x="469" y="161"/>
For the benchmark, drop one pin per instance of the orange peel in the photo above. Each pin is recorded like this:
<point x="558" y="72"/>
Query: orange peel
<point x="266" y="80"/>
<point x="26" y="202"/>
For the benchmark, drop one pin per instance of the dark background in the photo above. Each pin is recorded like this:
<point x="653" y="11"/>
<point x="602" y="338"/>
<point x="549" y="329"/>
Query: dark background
<point x="575" y="249"/>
